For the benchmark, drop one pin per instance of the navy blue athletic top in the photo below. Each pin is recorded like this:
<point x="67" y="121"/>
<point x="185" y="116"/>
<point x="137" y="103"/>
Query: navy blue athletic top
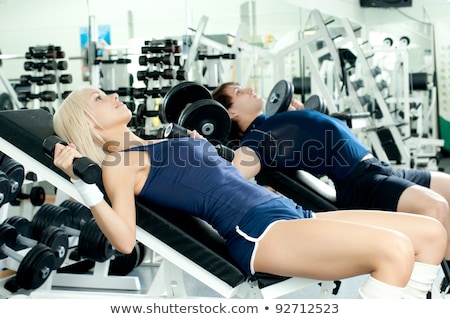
<point x="188" y="175"/>
<point x="307" y="140"/>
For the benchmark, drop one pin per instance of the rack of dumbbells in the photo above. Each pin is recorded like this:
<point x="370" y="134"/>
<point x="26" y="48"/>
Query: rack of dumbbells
<point x="61" y="246"/>
<point x="45" y="84"/>
<point x="164" y="68"/>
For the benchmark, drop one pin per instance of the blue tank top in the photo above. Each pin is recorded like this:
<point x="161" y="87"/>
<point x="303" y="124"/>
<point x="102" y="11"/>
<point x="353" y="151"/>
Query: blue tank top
<point x="188" y="175"/>
<point x="306" y="140"/>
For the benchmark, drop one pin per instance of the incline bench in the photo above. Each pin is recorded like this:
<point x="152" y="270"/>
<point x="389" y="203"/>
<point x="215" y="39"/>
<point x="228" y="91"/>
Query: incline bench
<point x="183" y="242"/>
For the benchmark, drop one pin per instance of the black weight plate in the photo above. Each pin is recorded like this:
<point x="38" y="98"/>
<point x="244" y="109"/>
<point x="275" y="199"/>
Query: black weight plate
<point x="80" y="213"/>
<point x="209" y="118"/>
<point x="58" y="241"/>
<point x="123" y="264"/>
<point x="4" y="188"/>
<point x="37" y="196"/>
<point x="316" y="102"/>
<point x="35" y="267"/>
<point x="21" y="224"/>
<point x="16" y="175"/>
<point x="280" y="97"/>
<point x="180" y="96"/>
<point x="92" y="244"/>
<point x="8" y="236"/>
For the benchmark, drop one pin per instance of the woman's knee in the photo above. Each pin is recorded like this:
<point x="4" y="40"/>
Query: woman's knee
<point x="396" y="260"/>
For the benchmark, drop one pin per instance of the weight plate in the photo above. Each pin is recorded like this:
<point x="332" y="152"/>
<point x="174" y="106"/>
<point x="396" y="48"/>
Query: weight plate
<point x="80" y="213"/>
<point x="180" y="96"/>
<point x="37" y="196"/>
<point x="209" y="118"/>
<point x="35" y="267"/>
<point x="280" y="97"/>
<point x="16" y="175"/>
<point x="316" y="102"/>
<point x="58" y="241"/>
<point x="4" y="188"/>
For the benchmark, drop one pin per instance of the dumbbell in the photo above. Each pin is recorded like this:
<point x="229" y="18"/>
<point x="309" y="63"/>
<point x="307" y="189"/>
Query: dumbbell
<point x="4" y="188"/>
<point x="15" y="174"/>
<point x="52" y="236"/>
<point x="173" y="130"/>
<point x="48" y="65"/>
<point x="48" y="96"/>
<point x="36" y="195"/>
<point x="167" y="59"/>
<point x="89" y="171"/>
<point x="39" y="80"/>
<point x="191" y="105"/>
<point x="35" y="267"/>
<point x="92" y="244"/>
<point x="155" y="75"/>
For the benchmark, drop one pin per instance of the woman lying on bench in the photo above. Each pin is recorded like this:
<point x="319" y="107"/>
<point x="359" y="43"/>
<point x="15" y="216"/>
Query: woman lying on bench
<point x="264" y="232"/>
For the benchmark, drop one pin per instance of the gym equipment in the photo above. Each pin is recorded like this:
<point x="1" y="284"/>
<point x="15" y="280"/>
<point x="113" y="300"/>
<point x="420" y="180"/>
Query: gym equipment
<point x="15" y="173"/>
<point x="92" y="244"/>
<point x="89" y="171"/>
<point x="4" y="188"/>
<point x="48" y="96"/>
<point x="191" y="105"/>
<point x="173" y="130"/>
<point x="35" y="267"/>
<point x="52" y="236"/>
<point x="179" y="97"/>
<point x="279" y="98"/>
<point x="36" y="195"/>
<point x="39" y="80"/>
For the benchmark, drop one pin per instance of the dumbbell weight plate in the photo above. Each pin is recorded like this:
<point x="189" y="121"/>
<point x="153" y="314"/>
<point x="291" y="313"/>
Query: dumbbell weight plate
<point x="49" y="214"/>
<point x="4" y="188"/>
<point x="180" y="96"/>
<point x="80" y="213"/>
<point x="35" y="267"/>
<point x="16" y="175"/>
<point x="209" y="118"/>
<point x="92" y="244"/>
<point x="8" y="235"/>
<point x="316" y="102"/>
<point x="280" y="97"/>
<point x="123" y="264"/>
<point x="22" y="226"/>
<point x="58" y="241"/>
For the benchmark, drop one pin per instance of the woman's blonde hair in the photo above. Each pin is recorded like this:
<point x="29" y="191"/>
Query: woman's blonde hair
<point x="71" y="123"/>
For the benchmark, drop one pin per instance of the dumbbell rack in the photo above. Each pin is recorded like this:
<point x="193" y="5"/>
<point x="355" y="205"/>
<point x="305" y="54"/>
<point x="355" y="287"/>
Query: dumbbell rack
<point x="163" y="68"/>
<point x="46" y="83"/>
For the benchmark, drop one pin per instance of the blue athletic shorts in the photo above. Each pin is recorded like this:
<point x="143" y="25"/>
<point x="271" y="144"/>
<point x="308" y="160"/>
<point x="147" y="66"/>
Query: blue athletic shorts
<point x="253" y="226"/>
<point x="376" y="185"/>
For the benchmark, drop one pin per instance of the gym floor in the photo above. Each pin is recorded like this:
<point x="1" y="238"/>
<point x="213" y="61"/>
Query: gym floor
<point x="196" y="289"/>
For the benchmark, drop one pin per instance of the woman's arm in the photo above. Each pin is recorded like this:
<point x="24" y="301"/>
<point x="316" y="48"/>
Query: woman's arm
<point x="118" y="223"/>
<point x="247" y="162"/>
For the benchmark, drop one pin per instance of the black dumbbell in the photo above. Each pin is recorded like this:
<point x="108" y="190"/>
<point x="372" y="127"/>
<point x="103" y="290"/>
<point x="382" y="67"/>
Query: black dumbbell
<point x="48" y="96"/>
<point x="173" y="130"/>
<point x="4" y="188"/>
<point x="89" y="171"/>
<point x="36" y="195"/>
<point x="34" y="267"/>
<point x="92" y="244"/>
<point x="15" y="173"/>
<point x="52" y="236"/>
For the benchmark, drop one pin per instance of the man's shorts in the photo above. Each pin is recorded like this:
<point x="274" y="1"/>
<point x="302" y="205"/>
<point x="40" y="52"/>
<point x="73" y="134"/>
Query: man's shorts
<point x="251" y="229"/>
<point x="376" y="185"/>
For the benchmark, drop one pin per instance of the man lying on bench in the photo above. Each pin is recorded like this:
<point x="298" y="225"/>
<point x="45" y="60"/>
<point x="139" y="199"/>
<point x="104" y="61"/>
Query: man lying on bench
<point x="314" y="142"/>
<point x="264" y="232"/>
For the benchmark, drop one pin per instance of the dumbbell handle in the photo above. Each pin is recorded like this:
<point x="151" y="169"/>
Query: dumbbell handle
<point x="29" y="242"/>
<point x="11" y="253"/>
<point x="89" y="171"/>
<point x="174" y="130"/>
